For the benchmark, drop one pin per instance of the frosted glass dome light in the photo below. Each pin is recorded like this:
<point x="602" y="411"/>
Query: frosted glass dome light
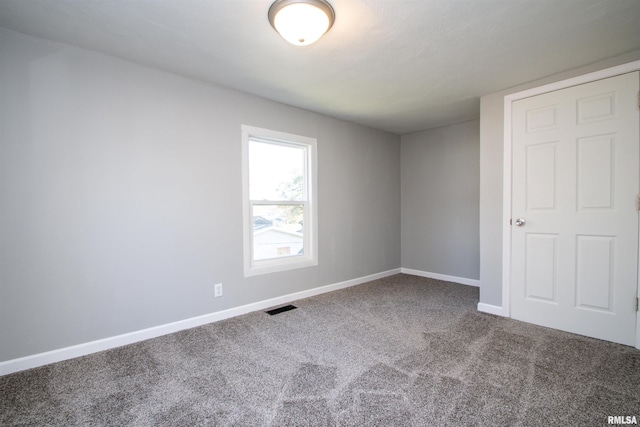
<point x="301" y="22"/>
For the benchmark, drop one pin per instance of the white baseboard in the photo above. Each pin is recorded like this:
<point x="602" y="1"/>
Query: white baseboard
<point x="446" y="278"/>
<point x="492" y="309"/>
<point x="33" y="361"/>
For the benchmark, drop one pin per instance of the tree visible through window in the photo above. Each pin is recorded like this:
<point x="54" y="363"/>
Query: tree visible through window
<point x="279" y="205"/>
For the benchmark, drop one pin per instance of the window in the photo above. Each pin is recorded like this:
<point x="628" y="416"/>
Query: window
<point x="279" y="191"/>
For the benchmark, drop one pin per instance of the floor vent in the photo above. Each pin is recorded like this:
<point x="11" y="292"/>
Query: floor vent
<point x="281" y="309"/>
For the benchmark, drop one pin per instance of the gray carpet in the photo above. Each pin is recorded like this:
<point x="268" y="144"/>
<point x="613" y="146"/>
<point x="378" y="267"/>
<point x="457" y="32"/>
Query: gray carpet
<point x="400" y="351"/>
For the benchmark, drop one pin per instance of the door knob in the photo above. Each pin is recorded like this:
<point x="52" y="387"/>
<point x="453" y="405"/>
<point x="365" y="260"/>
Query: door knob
<point x="520" y="222"/>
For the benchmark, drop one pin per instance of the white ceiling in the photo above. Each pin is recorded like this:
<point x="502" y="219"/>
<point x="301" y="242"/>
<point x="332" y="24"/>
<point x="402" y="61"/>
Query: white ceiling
<point x="395" y="65"/>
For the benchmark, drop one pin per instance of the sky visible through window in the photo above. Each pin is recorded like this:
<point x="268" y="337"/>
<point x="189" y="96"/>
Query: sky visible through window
<point x="273" y="169"/>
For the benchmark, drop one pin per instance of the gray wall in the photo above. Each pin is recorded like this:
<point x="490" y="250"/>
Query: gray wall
<point x="120" y="192"/>
<point x="491" y="176"/>
<point x="440" y="198"/>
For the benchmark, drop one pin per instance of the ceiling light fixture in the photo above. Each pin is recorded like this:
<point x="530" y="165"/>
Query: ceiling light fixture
<point x="301" y="22"/>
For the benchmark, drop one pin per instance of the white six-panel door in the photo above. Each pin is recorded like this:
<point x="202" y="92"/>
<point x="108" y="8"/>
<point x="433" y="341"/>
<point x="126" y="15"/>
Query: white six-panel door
<point x="575" y="180"/>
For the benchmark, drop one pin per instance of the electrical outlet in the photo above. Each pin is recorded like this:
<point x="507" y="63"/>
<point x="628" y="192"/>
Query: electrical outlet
<point x="217" y="290"/>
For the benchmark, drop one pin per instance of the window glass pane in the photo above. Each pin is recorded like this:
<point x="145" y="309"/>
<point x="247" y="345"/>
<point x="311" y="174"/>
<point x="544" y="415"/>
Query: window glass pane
<point x="277" y="231"/>
<point x="275" y="172"/>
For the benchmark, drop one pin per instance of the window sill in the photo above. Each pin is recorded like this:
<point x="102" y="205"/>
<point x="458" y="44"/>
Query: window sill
<point x="278" y="265"/>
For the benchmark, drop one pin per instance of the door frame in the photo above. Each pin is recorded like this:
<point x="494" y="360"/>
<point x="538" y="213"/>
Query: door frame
<point x="507" y="170"/>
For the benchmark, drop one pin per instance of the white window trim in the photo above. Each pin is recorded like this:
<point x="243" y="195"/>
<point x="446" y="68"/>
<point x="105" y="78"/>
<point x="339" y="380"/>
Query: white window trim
<point x="310" y="257"/>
